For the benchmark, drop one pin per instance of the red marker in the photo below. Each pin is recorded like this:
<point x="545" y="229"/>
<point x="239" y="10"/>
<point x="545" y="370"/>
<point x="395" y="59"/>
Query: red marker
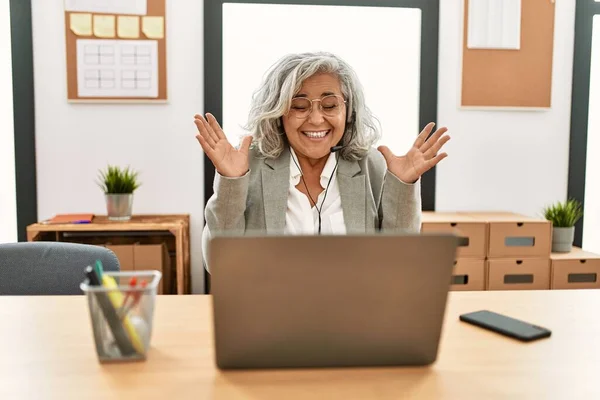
<point x="136" y="296"/>
<point x="132" y="284"/>
<point x="129" y="293"/>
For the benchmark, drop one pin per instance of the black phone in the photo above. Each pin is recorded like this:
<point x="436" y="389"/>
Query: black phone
<point x="507" y="326"/>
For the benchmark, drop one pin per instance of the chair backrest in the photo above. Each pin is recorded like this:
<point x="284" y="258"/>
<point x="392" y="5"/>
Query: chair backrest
<point x="49" y="268"/>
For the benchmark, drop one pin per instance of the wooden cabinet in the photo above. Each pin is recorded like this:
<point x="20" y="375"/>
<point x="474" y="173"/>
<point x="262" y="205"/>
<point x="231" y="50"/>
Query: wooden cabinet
<point x="172" y="230"/>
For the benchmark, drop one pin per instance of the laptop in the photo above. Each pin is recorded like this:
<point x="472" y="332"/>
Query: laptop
<point x="329" y="301"/>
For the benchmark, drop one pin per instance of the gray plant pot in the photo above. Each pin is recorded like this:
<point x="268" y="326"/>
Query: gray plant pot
<point x="118" y="206"/>
<point x="562" y="239"/>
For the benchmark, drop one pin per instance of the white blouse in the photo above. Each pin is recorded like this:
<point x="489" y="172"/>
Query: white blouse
<point x="303" y="219"/>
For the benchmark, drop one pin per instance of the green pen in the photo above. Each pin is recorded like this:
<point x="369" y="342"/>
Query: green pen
<point x="99" y="270"/>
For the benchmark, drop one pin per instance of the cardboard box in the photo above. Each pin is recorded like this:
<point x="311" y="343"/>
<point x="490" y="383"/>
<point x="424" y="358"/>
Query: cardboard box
<point x="471" y="232"/>
<point x="124" y="253"/>
<point x="144" y="257"/>
<point x="468" y="274"/>
<point x="575" y="270"/>
<point x="518" y="274"/>
<point x="516" y="236"/>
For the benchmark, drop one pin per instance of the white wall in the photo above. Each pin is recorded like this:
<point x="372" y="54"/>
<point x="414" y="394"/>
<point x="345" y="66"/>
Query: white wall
<point x="503" y="160"/>
<point x="73" y="141"/>
<point x="8" y="199"/>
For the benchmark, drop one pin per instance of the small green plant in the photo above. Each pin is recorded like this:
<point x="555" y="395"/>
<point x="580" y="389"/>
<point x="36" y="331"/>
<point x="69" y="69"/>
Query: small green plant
<point x="564" y="214"/>
<point x="116" y="180"/>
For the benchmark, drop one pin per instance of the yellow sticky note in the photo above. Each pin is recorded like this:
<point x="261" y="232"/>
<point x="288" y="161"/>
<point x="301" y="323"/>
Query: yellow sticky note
<point x="153" y="27"/>
<point x="128" y="27"/>
<point x="104" y="26"/>
<point x="81" y="24"/>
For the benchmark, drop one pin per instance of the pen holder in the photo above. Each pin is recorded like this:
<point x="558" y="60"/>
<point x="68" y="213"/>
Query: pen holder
<point x="121" y="314"/>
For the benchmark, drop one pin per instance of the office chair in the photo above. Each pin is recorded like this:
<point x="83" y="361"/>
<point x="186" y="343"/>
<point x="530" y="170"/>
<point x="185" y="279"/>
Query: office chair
<point x="49" y="268"/>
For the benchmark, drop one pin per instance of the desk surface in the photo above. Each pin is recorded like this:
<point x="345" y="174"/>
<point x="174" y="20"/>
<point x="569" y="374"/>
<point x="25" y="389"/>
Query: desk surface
<point x="47" y="352"/>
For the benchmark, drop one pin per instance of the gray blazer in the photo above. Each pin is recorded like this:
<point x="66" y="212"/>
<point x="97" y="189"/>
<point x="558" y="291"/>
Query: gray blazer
<point x="373" y="199"/>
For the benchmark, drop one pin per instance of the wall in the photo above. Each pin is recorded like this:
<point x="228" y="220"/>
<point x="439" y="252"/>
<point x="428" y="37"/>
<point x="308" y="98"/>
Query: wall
<point x="8" y="194"/>
<point x="73" y="141"/>
<point x="503" y="160"/>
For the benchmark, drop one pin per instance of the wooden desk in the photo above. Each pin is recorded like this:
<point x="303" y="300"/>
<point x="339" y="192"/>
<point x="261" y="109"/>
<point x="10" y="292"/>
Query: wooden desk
<point x="47" y="352"/>
<point x="142" y="228"/>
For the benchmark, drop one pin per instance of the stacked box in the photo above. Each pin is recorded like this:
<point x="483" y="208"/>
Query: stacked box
<point x="518" y="251"/>
<point x="469" y="265"/>
<point x="577" y="269"/>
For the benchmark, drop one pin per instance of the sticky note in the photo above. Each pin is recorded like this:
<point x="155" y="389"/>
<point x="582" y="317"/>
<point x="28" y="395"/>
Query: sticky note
<point x="128" y="27"/>
<point x="104" y="26"/>
<point x="81" y="24"/>
<point x="153" y="27"/>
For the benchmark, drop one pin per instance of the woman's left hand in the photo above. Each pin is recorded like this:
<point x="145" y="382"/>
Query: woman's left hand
<point x="420" y="158"/>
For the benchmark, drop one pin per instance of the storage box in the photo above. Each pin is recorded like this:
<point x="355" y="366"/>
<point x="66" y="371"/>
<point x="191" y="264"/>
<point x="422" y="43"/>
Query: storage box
<point x="575" y="270"/>
<point x="518" y="274"/>
<point x="468" y="274"/>
<point x="516" y="236"/>
<point x="472" y="233"/>
<point x="143" y="257"/>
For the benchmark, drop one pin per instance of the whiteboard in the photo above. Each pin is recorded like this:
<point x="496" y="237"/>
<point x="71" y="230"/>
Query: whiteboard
<point x="591" y="226"/>
<point x="8" y="181"/>
<point x="382" y="44"/>
<point x="117" y="68"/>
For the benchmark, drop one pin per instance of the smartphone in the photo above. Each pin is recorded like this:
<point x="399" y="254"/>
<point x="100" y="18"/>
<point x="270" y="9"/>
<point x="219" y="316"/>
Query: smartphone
<point x="507" y="326"/>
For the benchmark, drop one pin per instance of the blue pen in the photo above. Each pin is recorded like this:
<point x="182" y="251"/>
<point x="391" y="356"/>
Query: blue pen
<point x="83" y="221"/>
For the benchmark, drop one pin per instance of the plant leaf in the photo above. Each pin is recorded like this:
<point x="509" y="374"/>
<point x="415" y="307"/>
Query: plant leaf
<point x="564" y="214"/>
<point x="117" y="180"/>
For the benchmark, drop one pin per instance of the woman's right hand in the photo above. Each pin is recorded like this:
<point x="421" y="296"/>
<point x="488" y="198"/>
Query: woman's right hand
<point x="228" y="161"/>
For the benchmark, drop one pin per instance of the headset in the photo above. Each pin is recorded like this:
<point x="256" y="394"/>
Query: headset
<point x="349" y="126"/>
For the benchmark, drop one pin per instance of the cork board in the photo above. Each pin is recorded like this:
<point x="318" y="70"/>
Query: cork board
<point x="116" y="56"/>
<point x="512" y="78"/>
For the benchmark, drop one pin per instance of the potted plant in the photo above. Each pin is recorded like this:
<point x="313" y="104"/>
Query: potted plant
<point x="118" y="185"/>
<point x="564" y="216"/>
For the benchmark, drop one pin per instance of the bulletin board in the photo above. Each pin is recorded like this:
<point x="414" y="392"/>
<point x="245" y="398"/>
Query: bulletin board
<point x="512" y="78"/>
<point x="116" y="50"/>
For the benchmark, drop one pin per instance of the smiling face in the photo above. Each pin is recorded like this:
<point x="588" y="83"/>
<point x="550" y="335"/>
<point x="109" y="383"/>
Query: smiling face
<point x="313" y="135"/>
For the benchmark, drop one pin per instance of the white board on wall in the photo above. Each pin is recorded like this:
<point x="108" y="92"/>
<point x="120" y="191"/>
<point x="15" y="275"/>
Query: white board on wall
<point x="383" y="47"/>
<point x="8" y="191"/>
<point x="591" y="225"/>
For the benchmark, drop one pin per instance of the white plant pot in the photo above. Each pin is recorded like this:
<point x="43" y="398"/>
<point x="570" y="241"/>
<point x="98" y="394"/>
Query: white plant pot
<point x="562" y="239"/>
<point x="119" y="206"/>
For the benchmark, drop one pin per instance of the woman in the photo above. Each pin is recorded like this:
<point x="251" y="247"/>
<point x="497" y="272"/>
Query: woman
<point x="312" y="168"/>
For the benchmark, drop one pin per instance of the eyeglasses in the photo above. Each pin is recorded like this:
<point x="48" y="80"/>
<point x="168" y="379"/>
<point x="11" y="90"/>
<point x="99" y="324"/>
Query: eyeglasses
<point x="330" y="106"/>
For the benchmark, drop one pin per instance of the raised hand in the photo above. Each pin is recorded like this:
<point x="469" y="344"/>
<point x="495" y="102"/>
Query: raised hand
<point x="228" y="160"/>
<point x="420" y="158"/>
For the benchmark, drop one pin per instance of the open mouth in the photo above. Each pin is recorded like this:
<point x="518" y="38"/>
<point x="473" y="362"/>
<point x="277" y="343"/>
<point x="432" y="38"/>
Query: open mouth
<point x="316" y="135"/>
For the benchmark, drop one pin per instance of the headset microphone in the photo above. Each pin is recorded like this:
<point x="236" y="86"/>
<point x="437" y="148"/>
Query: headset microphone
<point x="351" y="124"/>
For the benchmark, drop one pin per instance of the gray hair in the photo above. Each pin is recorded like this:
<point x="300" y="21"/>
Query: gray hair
<point x="284" y="79"/>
